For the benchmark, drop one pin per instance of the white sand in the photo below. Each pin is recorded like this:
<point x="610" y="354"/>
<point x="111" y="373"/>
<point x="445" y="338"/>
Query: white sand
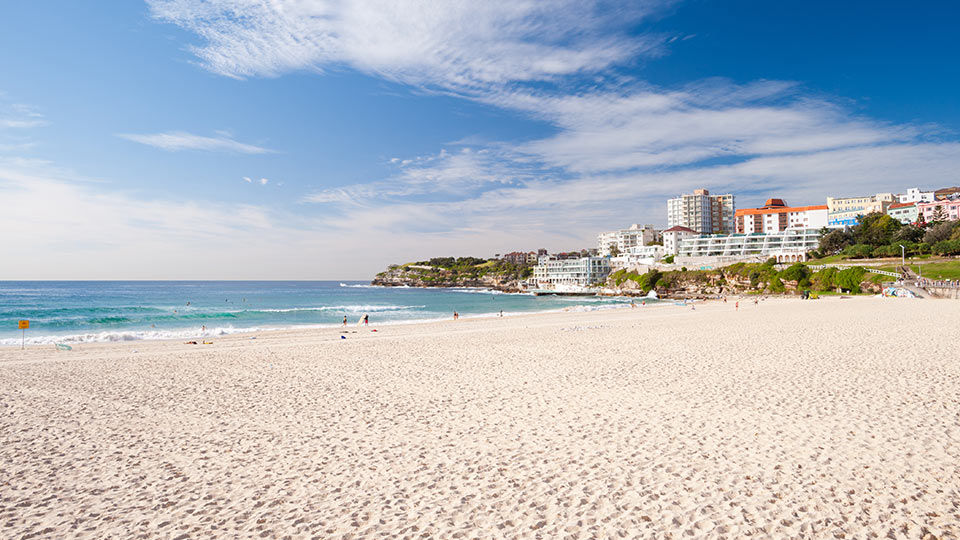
<point x="791" y="419"/>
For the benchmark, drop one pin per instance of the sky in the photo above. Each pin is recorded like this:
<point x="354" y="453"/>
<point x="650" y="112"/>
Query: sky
<point x="322" y="139"/>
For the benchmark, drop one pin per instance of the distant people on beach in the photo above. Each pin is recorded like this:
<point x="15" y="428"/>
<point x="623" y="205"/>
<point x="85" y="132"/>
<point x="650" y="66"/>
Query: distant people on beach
<point x="736" y="306"/>
<point x="366" y="319"/>
<point x="456" y="316"/>
<point x="344" y="320"/>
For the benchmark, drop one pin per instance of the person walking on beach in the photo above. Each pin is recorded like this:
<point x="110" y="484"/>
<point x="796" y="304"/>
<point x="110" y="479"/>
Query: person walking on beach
<point x="366" y="319"/>
<point x="737" y="306"/>
<point x="456" y="315"/>
<point x="344" y="320"/>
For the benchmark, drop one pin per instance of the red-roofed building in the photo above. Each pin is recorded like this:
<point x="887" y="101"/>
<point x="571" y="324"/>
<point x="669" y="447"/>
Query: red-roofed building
<point x="905" y="213"/>
<point x="776" y="216"/>
<point x="673" y="236"/>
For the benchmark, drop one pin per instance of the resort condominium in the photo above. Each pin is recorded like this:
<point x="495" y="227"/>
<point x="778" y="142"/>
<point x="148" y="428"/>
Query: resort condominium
<point x="702" y="212"/>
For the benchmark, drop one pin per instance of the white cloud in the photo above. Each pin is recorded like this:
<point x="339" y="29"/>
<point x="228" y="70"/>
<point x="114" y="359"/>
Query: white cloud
<point x="178" y="140"/>
<point x="455" y="45"/>
<point x="263" y="181"/>
<point x="247" y="179"/>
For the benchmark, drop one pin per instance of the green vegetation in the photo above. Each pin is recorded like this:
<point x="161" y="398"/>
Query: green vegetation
<point x="879" y="235"/>
<point x="458" y="270"/>
<point x="755" y="278"/>
<point x="938" y="270"/>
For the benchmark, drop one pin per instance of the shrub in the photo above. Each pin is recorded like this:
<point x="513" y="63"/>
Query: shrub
<point x="776" y="285"/>
<point x="668" y="259"/>
<point x="850" y="279"/>
<point x="796" y="272"/>
<point x="825" y="280"/>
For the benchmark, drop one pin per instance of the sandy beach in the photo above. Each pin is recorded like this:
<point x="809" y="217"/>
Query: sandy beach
<point x="835" y="418"/>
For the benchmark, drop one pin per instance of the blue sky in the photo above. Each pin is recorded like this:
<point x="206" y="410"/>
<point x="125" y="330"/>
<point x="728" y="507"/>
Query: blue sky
<point x="179" y="139"/>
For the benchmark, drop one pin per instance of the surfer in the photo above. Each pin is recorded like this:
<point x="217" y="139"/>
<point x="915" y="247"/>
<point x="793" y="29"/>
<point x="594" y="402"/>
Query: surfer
<point x="366" y="319"/>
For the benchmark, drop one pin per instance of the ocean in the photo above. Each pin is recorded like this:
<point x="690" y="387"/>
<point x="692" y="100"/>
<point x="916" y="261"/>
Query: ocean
<point x="91" y="311"/>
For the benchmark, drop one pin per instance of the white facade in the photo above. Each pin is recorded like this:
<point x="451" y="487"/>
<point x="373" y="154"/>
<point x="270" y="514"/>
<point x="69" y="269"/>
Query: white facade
<point x="672" y="238"/>
<point x="637" y="256"/>
<point x="702" y="212"/>
<point x="626" y="239"/>
<point x="914" y="195"/>
<point x="792" y="243"/>
<point x="582" y="272"/>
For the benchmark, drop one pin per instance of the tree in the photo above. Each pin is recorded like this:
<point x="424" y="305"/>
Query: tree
<point x="939" y="214"/>
<point x="907" y="233"/>
<point x="939" y="232"/>
<point x="834" y="241"/>
<point x="614" y="250"/>
<point x="875" y="229"/>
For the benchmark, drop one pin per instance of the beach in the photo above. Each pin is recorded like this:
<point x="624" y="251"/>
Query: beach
<point x="831" y="418"/>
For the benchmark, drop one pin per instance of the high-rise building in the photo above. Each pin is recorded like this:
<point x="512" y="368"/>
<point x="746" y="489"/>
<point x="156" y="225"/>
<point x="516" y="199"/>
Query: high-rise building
<point x="702" y="212"/>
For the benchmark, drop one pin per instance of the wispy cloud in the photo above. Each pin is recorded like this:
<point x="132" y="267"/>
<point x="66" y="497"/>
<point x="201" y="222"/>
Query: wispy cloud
<point x="19" y="116"/>
<point x="178" y="140"/>
<point x="458" y="45"/>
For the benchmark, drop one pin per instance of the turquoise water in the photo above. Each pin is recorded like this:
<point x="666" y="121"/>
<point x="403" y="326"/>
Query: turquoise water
<point x="88" y="311"/>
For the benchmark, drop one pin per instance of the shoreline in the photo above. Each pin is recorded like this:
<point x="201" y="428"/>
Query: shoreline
<point x="134" y="335"/>
<point x="781" y="420"/>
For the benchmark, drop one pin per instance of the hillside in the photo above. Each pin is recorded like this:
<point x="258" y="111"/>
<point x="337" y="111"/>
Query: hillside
<point x="455" y="272"/>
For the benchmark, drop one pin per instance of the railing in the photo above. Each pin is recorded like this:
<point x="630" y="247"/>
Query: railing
<point x="781" y="266"/>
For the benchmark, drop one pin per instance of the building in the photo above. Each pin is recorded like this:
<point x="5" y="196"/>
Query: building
<point x="625" y="239"/>
<point x="702" y="212"/>
<point x="673" y="236"/>
<point x="790" y="245"/>
<point x="635" y="256"/>
<point x="946" y="193"/>
<point x="582" y="272"/>
<point x="776" y="216"/>
<point x="949" y="210"/>
<point x="846" y="211"/>
<point x="905" y="213"/>
<point x="914" y="195"/>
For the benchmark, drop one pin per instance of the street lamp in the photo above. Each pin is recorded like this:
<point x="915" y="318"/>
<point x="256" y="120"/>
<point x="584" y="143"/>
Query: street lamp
<point x="903" y="255"/>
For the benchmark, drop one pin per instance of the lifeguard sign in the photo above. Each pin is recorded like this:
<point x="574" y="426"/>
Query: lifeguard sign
<point x="23" y="325"/>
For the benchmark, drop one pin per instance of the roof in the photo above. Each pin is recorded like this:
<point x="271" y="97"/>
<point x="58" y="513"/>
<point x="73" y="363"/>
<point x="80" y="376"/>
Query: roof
<point x="679" y="228"/>
<point x="901" y="205"/>
<point x="778" y="209"/>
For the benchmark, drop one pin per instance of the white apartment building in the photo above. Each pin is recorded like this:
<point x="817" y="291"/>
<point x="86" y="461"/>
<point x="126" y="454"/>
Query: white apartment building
<point x="582" y="272"/>
<point x="626" y="239"/>
<point x="702" y="212"/>
<point x="914" y="195"/>
<point x="787" y="246"/>
<point x="635" y="256"/>
<point x="673" y="236"/>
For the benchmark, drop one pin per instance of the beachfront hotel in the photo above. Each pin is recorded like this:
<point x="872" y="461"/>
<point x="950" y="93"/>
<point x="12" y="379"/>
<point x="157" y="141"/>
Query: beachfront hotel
<point x="846" y="211"/>
<point x="701" y="212"/>
<point x="790" y="245"/>
<point x="626" y="239"/>
<point x="580" y="272"/>
<point x="776" y="216"/>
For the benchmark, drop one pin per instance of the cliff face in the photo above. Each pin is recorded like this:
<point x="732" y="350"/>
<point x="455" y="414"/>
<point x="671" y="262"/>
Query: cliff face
<point x="485" y="275"/>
